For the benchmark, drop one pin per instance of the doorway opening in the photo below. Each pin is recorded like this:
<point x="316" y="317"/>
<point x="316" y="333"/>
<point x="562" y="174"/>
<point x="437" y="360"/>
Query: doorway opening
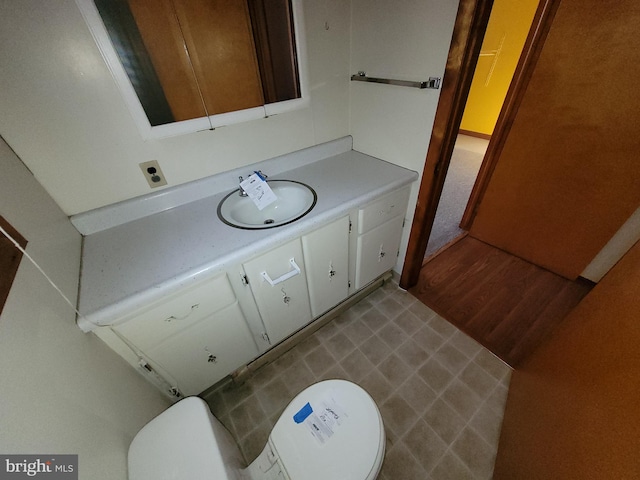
<point x="504" y="40"/>
<point x="466" y="159"/>
<point x="473" y="284"/>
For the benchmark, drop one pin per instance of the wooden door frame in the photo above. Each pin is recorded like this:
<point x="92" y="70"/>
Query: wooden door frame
<point x="468" y="34"/>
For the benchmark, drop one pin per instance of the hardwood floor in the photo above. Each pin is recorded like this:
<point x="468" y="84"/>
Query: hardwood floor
<point x="503" y="302"/>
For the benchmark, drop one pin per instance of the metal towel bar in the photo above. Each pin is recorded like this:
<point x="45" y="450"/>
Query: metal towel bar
<point x="433" y="82"/>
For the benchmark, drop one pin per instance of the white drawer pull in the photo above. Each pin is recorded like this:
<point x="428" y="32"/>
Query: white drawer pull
<point x="286" y="276"/>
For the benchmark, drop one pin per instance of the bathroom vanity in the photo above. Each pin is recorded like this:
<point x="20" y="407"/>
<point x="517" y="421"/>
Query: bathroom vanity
<point x="188" y="299"/>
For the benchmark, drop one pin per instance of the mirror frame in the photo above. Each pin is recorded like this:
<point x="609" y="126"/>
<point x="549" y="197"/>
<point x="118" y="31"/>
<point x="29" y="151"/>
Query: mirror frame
<point x="101" y="37"/>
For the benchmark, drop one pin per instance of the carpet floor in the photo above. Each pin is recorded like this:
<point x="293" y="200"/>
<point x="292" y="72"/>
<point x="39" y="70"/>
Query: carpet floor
<point x="463" y="170"/>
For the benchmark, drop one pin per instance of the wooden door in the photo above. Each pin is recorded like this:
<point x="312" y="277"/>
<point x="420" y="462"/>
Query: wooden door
<point x="219" y="39"/>
<point x="163" y="39"/>
<point x="203" y="53"/>
<point x="567" y="176"/>
<point x="572" y="411"/>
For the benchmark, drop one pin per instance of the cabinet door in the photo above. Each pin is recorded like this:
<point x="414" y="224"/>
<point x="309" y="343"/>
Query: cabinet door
<point x="326" y="255"/>
<point x="378" y="251"/>
<point x="199" y="356"/>
<point x="283" y="298"/>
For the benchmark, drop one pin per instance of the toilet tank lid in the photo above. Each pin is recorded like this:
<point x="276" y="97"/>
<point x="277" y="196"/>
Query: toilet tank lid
<point x="182" y="442"/>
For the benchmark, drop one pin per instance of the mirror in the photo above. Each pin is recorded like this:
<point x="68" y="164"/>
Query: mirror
<point x="197" y="64"/>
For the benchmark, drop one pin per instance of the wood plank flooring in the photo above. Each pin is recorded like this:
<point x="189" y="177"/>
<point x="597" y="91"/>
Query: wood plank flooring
<point x="503" y="302"/>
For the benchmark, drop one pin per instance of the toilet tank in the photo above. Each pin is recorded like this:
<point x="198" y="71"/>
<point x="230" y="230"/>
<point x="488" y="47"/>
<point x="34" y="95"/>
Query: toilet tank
<point x="184" y="442"/>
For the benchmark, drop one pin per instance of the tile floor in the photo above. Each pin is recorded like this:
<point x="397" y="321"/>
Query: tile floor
<point x="440" y="393"/>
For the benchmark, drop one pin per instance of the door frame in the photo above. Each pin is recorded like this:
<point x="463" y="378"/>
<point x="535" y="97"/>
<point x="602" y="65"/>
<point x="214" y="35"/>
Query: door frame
<point x="468" y="34"/>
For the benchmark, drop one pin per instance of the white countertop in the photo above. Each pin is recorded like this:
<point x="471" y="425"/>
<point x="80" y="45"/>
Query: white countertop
<point x="132" y="264"/>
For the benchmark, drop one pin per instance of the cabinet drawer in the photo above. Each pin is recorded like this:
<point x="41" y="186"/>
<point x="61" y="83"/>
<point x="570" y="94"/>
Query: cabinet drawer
<point x="389" y="206"/>
<point x="179" y="311"/>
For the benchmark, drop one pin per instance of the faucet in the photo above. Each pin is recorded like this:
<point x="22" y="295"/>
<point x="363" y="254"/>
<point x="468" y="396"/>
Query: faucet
<point x="241" y="191"/>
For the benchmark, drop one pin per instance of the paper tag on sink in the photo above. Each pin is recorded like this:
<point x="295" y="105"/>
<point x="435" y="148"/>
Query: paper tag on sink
<point x="258" y="190"/>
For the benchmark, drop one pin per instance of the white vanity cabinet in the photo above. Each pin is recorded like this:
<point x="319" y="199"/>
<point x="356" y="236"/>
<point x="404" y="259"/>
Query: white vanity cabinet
<point x="379" y="232"/>
<point x="193" y="338"/>
<point x="223" y="298"/>
<point x="326" y="254"/>
<point x="279" y="285"/>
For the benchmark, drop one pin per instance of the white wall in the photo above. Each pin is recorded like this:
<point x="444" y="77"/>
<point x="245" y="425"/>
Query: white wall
<point x="406" y="40"/>
<point x="60" y="110"/>
<point x="63" y="391"/>
<point x="64" y="116"/>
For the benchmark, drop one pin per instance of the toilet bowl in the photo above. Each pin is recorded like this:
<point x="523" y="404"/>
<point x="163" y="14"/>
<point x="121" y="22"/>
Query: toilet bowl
<point x="332" y="430"/>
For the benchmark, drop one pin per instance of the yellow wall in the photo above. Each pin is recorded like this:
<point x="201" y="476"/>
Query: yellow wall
<point x="506" y="33"/>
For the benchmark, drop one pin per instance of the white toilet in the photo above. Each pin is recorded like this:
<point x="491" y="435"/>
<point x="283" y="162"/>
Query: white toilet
<point x="330" y="431"/>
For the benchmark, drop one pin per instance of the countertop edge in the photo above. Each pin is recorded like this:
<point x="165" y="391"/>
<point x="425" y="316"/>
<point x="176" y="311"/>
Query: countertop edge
<point x="110" y="216"/>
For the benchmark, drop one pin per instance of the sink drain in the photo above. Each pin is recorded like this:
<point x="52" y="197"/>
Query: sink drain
<point x="269" y="221"/>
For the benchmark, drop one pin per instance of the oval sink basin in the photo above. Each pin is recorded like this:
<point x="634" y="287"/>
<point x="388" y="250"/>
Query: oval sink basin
<point x="295" y="200"/>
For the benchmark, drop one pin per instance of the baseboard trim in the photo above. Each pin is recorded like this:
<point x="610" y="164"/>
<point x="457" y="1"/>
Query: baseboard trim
<point x="469" y="133"/>
<point x="242" y="374"/>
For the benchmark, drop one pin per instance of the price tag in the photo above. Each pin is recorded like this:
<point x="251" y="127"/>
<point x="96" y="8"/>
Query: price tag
<point x="259" y="191"/>
<point x="323" y="419"/>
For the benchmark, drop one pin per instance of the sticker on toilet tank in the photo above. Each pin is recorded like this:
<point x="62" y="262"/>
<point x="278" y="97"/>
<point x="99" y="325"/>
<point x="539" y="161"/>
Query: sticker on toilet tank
<point x="321" y="418"/>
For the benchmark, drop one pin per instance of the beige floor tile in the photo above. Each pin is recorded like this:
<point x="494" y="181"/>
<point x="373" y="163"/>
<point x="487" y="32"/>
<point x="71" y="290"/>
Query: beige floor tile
<point x="374" y="319"/>
<point x="441" y="395"/>
<point x="412" y="353"/>
<point x="451" y="467"/>
<point x="444" y="420"/>
<point x="425" y="445"/>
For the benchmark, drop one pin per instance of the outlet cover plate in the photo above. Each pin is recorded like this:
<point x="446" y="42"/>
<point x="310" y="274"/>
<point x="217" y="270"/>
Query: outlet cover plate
<point x="153" y="174"/>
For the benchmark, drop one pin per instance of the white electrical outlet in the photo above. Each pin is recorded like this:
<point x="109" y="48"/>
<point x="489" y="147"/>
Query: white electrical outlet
<point x="153" y="174"/>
